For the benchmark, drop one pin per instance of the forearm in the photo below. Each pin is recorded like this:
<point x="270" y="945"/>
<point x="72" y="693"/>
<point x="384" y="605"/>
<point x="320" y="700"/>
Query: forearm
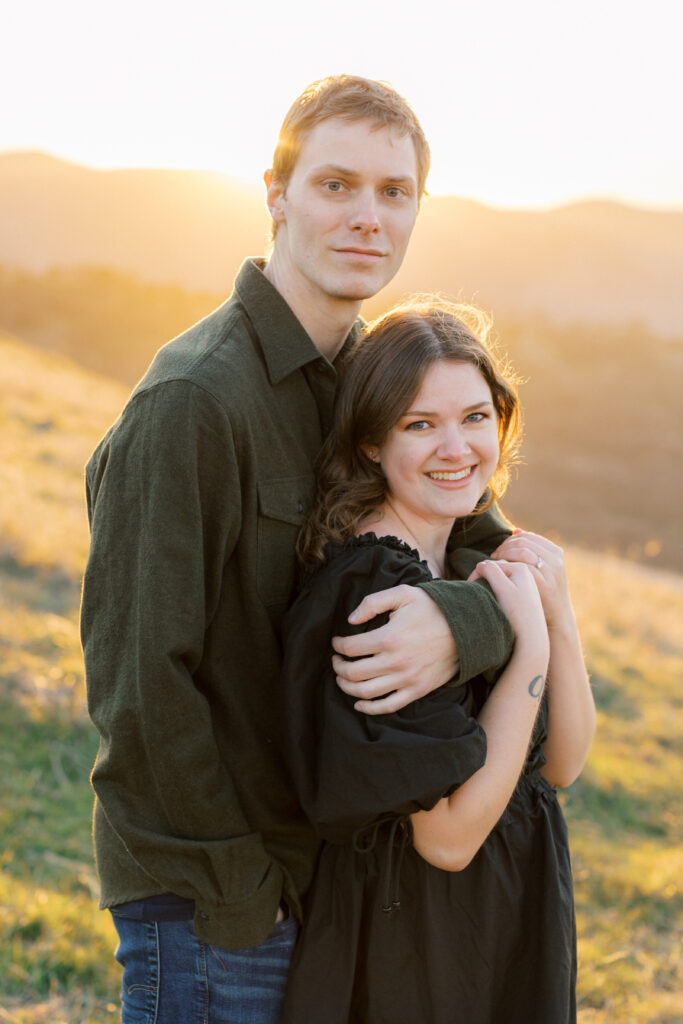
<point x="483" y="636"/>
<point x="482" y="633"/>
<point x="450" y="834"/>
<point x="571" y="709"/>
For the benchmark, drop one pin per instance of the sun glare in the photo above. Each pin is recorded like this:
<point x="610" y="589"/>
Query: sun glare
<point x="526" y="104"/>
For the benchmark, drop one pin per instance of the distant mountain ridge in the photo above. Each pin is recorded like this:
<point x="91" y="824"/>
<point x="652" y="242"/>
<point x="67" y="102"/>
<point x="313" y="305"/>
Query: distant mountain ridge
<point x="595" y="262"/>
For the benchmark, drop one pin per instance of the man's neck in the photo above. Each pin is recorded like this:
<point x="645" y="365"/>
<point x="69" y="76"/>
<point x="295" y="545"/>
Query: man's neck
<point x="326" y="320"/>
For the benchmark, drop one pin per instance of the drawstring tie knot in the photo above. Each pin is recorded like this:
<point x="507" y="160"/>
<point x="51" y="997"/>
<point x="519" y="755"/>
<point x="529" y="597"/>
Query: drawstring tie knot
<point x="399" y="834"/>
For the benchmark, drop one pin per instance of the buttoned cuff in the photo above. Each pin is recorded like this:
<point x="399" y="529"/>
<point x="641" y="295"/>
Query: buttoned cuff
<point x="247" y="922"/>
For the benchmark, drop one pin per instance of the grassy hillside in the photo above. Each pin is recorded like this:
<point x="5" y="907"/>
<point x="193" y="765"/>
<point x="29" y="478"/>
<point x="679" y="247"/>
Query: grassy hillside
<point x="56" y="963"/>
<point x="604" y="420"/>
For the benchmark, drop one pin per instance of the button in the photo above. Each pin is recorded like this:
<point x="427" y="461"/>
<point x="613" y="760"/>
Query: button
<point x="321" y="365"/>
<point x="204" y="916"/>
<point x="299" y="507"/>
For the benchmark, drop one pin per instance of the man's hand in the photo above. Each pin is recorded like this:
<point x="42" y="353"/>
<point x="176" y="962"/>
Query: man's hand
<point x="413" y="654"/>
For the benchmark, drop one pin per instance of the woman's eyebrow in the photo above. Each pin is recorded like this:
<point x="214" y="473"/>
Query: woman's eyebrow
<point x="432" y="412"/>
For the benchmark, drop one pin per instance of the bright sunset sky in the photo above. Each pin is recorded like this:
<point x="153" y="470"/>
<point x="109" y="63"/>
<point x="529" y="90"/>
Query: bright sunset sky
<point x="525" y="102"/>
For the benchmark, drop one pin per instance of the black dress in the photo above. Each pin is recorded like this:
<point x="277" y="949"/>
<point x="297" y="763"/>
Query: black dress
<point x="388" y="938"/>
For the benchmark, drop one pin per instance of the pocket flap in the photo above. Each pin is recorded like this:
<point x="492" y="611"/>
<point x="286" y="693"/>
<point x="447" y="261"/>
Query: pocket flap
<point x="287" y="499"/>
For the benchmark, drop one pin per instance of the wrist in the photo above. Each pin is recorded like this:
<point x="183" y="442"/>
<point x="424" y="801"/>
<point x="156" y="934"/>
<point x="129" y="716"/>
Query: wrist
<point x="532" y="653"/>
<point x="563" y="626"/>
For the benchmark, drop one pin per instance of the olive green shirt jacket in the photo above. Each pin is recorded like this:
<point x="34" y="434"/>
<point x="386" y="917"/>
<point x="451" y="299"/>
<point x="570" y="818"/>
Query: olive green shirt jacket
<point x="195" y="497"/>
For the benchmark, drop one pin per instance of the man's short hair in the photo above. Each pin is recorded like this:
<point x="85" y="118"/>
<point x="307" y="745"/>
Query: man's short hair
<point x="355" y="99"/>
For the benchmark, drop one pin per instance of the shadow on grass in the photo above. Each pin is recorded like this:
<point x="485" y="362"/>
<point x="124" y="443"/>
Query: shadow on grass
<point x="615" y="810"/>
<point x="39" y="588"/>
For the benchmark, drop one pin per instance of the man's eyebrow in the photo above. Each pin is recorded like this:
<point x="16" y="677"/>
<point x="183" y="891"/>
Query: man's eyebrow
<point x="347" y="172"/>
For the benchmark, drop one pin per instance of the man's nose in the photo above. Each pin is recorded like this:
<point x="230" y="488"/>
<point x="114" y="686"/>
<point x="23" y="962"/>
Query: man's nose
<point x="364" y="214"/>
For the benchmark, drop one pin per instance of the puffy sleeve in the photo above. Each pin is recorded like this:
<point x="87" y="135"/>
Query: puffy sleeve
<point x="350" y="768"/>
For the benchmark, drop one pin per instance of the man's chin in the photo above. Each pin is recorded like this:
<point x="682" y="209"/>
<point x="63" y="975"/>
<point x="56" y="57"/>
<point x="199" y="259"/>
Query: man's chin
<point x="357" y="291"/>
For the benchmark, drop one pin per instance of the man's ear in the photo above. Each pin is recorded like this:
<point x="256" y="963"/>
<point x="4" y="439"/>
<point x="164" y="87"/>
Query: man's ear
<point x="275" y="197"/>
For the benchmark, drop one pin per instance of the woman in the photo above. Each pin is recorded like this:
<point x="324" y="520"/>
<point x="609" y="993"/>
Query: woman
<point x="443" y="891"/>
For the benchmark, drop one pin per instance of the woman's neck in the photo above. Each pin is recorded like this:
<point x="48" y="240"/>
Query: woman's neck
<point x="429" y="540"/>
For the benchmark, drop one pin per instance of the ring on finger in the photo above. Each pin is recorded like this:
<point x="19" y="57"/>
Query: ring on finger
<point x="539" y="562"/>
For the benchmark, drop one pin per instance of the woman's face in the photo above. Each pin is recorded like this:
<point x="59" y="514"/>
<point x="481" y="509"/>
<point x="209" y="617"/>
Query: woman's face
<point x="440" y="456"/>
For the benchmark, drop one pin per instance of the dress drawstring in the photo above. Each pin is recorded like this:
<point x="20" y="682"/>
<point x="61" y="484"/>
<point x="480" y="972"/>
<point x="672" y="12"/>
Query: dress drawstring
<point x="365" y="840"/>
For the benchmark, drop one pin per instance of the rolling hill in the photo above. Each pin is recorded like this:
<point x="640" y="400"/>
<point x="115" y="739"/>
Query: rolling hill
<point x="604" y="419"/>
<point x="595" y="262"/>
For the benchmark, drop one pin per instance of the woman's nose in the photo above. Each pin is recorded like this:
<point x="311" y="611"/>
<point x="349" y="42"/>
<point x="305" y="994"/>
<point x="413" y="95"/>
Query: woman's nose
<point x="454" y="444"/>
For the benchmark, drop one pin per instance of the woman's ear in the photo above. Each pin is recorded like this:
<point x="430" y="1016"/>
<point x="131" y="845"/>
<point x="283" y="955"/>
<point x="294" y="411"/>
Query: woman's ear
<point x="371" y="451"/>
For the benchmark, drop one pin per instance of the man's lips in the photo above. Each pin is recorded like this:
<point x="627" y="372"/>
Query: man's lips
<point x="362" y="253"/>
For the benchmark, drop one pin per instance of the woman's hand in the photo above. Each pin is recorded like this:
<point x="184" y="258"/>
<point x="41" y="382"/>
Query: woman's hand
<point x="546" y="564"/>
<point x="517" y="593"/>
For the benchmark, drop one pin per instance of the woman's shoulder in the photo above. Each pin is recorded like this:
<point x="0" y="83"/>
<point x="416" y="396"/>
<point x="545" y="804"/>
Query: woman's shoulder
<point x="360" y="566"/>
<point x="368" y="555"/>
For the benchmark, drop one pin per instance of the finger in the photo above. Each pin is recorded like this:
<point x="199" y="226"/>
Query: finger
<point x="526" y="538"/>
<point x="376" y="604"/>
<point x="498" y="571"/>
<point x="524" y="552"/>
<point x="361" y="645"/>
<point x="361" y="670"/>
<point x="368" y="689"/>
<point x="511" y="576"/>
<point x="479" y="572"/>
<point x="386" y="705"/>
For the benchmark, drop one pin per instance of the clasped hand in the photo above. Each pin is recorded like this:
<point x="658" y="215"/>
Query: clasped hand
<point x="411" y="655"/>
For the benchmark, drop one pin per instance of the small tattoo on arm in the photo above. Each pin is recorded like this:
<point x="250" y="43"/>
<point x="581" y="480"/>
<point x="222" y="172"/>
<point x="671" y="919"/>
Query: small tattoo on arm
<point x="536" y="687"/>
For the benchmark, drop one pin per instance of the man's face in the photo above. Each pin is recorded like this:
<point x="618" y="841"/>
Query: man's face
<point x="346" y="215"/>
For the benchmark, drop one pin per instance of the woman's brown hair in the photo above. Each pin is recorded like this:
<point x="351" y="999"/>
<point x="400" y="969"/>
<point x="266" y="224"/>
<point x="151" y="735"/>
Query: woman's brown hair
<point x="382" y="375"/>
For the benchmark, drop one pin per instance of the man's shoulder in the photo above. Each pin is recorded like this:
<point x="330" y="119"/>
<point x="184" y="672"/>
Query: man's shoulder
<point x="201" y="370"/>
<point x="211" y="353"/>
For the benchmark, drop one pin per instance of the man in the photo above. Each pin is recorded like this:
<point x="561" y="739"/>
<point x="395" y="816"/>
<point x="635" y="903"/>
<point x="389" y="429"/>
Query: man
<point x="195" y="498"/>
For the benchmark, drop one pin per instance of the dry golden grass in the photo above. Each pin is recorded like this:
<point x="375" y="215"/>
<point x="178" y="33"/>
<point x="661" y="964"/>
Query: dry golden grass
<point x="52" y="414"/>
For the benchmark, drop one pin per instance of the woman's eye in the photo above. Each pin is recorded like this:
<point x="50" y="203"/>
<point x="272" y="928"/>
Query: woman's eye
<point x="418" y="425"/>
<point x="476" y="417"/>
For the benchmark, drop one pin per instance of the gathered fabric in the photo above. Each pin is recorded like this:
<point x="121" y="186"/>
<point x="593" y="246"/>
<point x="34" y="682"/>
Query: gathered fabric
<point x="399" y="835"/>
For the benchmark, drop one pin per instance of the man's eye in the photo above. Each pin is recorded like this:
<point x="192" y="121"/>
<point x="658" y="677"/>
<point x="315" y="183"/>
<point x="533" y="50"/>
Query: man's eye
<point x="334" y="186"/>
<point x="393" y="192"/>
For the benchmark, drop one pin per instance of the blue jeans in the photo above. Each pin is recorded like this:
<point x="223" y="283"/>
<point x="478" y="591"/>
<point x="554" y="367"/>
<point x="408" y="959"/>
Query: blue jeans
<point x="171" y="977"/>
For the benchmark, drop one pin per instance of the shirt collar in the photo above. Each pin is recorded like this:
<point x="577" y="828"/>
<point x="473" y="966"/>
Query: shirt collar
<point x="285" y="344"/>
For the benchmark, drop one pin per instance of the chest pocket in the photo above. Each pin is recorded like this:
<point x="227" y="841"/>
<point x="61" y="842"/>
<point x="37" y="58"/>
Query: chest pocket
<point x="282" y="508"/>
